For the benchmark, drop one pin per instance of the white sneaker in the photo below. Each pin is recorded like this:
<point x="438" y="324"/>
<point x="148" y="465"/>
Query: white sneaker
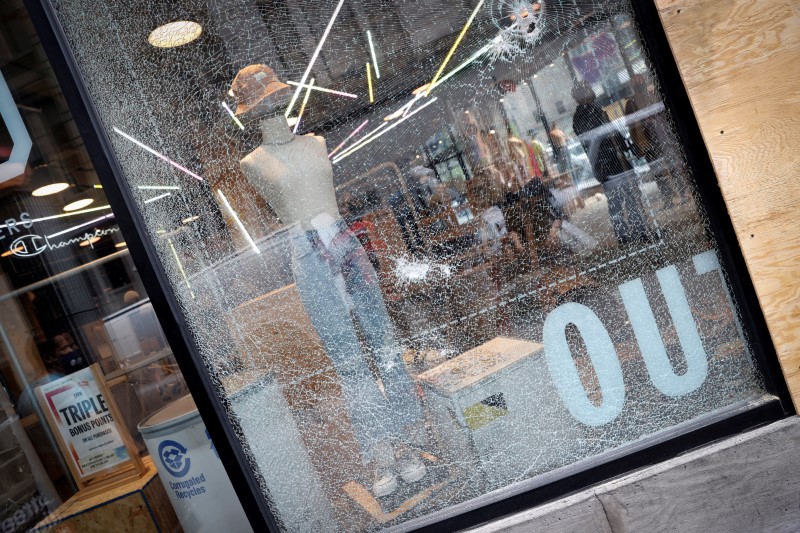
<point x="411" y="469"/>
<point x="385" y="484"/>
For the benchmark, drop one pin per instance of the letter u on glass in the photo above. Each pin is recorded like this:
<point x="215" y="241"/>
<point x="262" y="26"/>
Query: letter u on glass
<point x="659" y="367"/>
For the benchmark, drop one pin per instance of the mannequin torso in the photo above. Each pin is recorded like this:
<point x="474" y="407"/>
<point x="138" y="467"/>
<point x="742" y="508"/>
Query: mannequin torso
<point x="293" y="174"/>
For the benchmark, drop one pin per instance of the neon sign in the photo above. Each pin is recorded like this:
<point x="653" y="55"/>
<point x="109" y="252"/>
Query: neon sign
<point x="31" y="244"/>
<point x="21" y="148"/>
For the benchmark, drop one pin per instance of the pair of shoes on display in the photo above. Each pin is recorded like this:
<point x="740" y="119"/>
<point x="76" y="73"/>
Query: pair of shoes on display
<point x="409" y="470"/>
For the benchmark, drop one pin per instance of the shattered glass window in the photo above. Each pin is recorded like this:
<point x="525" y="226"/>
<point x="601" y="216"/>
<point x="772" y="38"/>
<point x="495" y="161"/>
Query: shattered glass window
<point x="427" y="249"/>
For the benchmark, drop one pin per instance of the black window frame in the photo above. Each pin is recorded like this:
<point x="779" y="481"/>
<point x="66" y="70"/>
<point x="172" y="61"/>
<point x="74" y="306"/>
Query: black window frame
<point x="487" y="507"/>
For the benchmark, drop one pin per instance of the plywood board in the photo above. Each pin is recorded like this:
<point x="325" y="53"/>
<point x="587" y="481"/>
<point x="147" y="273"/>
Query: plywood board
<point x="739" y="61"/>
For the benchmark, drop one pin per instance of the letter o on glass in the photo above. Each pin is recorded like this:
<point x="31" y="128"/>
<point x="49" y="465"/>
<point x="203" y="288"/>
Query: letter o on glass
<point x="565" y="374"/>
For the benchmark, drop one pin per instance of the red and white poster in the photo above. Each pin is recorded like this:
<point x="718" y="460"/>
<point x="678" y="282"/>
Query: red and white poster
<point x="85" y="423"/>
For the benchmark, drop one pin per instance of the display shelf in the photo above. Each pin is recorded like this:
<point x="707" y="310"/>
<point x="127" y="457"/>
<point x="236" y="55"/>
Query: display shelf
<point x="139" y="506"/>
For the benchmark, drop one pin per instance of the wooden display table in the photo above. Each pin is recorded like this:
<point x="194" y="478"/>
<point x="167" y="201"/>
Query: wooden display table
<point x="138" y="506"/>
<point x="508" y="416"/>
<point x="468" y="378"/>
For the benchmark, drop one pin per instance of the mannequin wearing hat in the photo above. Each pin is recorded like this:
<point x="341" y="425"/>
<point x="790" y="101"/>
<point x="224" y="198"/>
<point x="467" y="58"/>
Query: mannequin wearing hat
<point x="291" y="172"/>
<point x="335" y="280"/>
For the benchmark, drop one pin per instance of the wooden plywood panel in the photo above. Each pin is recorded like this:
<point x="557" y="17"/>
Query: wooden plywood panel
<point x="277" y="335"/>
<point x="158" y="501"/>
<point x="139" y="506"/>
<point x="740" y="62"/>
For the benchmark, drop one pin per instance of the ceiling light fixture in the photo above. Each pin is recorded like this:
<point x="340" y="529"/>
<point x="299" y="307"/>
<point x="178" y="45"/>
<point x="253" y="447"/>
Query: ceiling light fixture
<point x="314" y="56"/>
<point x="369" y="85"/>
<point x="234" y="117"/>
<point x="352" y="134"/>
<point x="159" y="197"/>
<point x="323" y="89"/>
<point x="12" y="251"/>
<point x="78" y="204"/>
<point x="90" y="241"/>
<point x="174" y="34"/>
<point x="368" y="138"/>
<point x="180" y="267"/>
<point x="372" y="53"/>
<point x="158" y="187"/>
<point x="238" y="224"/>
<point x="79" y="226"/>
<point x="122" y="244"/>
<point x="53" y="188"/>
<point x="62" y="215"/>
<point x="158" y="154"/>
<point x="303" y="105"/>
<point x="449" y="55"/>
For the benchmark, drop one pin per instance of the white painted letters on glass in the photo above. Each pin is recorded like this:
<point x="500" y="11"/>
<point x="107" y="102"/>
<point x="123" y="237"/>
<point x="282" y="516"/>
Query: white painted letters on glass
<point x="565" y="373"/>
<point x="649" y="338"/>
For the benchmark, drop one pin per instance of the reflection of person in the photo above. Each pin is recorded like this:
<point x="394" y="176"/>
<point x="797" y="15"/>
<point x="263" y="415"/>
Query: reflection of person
<point x="53" y="354"/>
<point x="358" y="206"/>
<point x="645" y="141"/>
<point x="611" y="167"/>
<point x="434" y="194"/>
<point x="560" y="152"/>
<point x="67" y="354"/>
<point x="294" y="175"/>
<point x="650" y="135"/>
<point x="610" y="160"/>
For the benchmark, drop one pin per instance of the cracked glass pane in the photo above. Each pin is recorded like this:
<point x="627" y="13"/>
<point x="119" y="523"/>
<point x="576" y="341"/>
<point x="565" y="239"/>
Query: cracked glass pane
<point x="427" y="250"/>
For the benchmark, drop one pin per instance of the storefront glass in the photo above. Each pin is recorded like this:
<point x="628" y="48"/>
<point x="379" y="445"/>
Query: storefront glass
<point x="70" y="297"/>
<point x="427" y="250"/>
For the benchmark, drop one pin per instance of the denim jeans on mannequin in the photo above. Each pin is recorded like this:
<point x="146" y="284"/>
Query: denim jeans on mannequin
<point x="625" y="207"/>
<point x="316" y="266"/>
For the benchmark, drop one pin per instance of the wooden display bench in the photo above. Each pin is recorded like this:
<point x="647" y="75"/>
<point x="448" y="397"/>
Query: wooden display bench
<point x="141" y="505"/>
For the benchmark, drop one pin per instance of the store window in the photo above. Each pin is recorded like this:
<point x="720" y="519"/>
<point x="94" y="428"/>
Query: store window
<point x="83" y="358"/>
<point x="427" y="251"/>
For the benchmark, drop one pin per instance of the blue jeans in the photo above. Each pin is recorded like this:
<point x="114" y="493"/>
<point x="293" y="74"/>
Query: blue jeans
<point x="625" y="207"/>
<point x="316" y="267"/>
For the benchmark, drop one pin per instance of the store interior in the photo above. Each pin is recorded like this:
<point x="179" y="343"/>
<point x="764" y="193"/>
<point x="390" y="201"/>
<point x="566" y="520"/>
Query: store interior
<point x="70" y="295"/>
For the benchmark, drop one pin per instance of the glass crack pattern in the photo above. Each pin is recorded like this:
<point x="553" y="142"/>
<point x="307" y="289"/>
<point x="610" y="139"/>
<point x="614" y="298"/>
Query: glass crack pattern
<point x="479" y="259"/>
